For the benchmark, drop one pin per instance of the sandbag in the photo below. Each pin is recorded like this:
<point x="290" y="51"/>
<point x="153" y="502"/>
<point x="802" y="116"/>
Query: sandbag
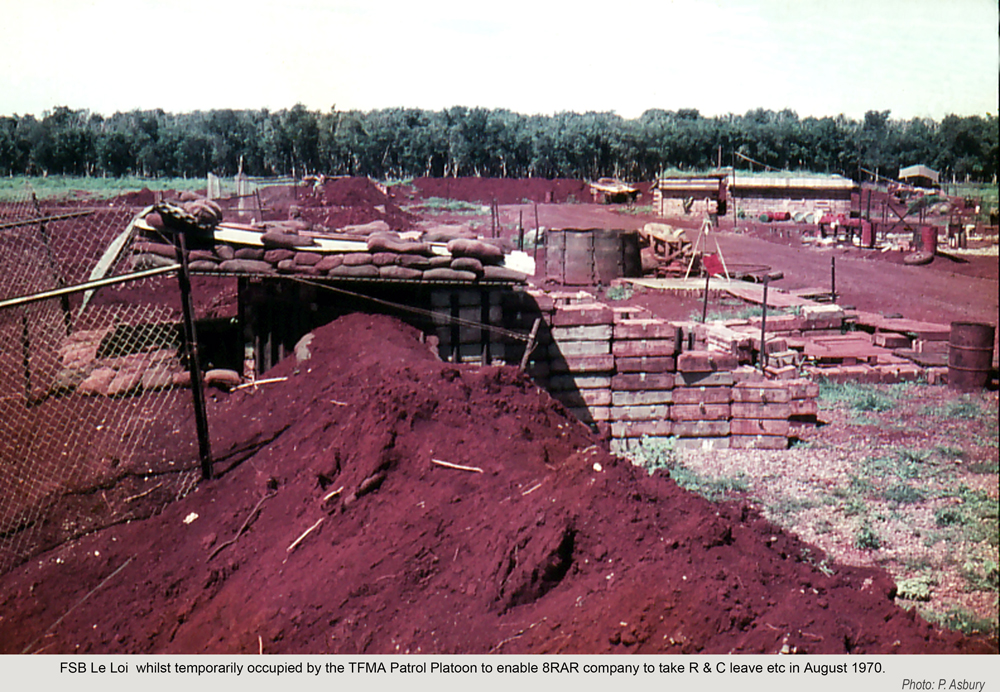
<point x="356" y="259"/>
<point x="203" y="266"/>
<point x="383" y="259"/>
<point x="494" y="273"/>
<point x="249" y="253"/>
<point x="161" y="249"/>
<point x="442" y="274"/>
<point x="279" y="255"/>
<point x="358" y="271"/>
<point x="246" y="265"/>
<point x="468" y="264"/>
<point x="289" y="241"/>
<point x="222" y="378"/>
<point x="393" y="271"/>
<point x="225" y="252"/>
<point x="484" y="252"/>
<point x="329" y="262"/>
<point x="307" y="259"/>
<point x="146" y="261"/>
<point x="383" y="243"/>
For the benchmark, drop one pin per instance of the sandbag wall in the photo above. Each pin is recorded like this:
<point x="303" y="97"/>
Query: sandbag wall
<point x="640" y="376"/>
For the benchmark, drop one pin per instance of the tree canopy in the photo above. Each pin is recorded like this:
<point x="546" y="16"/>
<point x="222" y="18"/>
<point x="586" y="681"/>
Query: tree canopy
<point x="460" y="141"/>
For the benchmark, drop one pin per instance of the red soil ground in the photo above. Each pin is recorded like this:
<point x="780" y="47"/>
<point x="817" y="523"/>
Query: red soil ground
<point x="555" y="547"/>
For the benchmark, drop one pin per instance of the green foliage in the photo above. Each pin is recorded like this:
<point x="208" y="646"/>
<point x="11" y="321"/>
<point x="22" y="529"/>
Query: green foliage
<point x="964" y="407"/>
<point x="915" y="589"/>
<point x="982" y="575"/>
<point x="454" y="206"/>
<point x="659" y="453"/>
<point x="858" y="397"/>
<point x="903" y="493"/>
<point x="400" y="143"/>
<point x="620" y="292"/>
<point x="865" y="538"/>
<point x="962" y="620"/>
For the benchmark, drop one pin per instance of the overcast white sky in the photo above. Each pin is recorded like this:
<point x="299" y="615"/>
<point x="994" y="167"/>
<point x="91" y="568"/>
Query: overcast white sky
<point x="817" y="57"/>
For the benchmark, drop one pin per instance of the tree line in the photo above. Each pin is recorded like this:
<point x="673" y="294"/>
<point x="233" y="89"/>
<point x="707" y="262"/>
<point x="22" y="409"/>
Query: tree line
<point x="459" y="141"/>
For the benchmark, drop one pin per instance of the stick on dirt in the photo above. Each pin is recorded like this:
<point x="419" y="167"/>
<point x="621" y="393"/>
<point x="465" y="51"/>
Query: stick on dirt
<point x="257" y="382"/>
<point x="243" y="528"/>
<point x="459" y="467"/>
<point x="333" y="493"/>
<point x="302" y="537"/>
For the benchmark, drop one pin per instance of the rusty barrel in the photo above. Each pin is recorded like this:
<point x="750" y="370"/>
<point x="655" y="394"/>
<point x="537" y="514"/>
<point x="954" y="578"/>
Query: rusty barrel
<point x="928" y="239"/>
<point x="970" y="355"/>
<point x="584" y="257"/>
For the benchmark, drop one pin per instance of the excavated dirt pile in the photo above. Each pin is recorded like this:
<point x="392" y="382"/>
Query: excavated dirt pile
<point x="343" y="202"/>
<point x="337" y="532"/>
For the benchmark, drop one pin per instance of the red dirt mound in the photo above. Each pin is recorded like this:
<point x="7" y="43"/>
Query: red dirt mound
<point x="505" y="190"/>
<point x="350" y="201"/>
<point x="338" y="533"/>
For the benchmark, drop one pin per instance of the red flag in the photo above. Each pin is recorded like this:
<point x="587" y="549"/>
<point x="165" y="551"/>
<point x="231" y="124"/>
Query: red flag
<point x="713" y="265"/>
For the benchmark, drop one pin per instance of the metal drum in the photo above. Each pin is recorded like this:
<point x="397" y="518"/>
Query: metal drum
<point x="584" y="257"/>
<point x="928" y="239"/>
<point x="970" y="355"/>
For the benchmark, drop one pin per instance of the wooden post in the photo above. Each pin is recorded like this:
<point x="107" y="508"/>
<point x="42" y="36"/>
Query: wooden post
<point x="520" y="230"/>
<point x="538" y="234"/>
<point x="194" y="366"/>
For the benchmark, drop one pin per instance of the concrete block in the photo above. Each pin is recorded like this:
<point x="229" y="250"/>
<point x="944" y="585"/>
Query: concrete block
<point x="891" y="340"/>
<point x="579" y="348"/>
<point x="761" y="411"/>
<point x="601" y="332"/>
<point x="803" y="407"/>
<point x="630" y="312"/>
<point x="643" y="347"/>
<point x="644" y="398"/>
<point x="697" y="412"/>
<point x="584" y="397"/>
<point x="751" y="394"/>
<point x="782" y="372"/>
<point x="702" y="395"/>
<point x="701" y="444"/>
<point x="704" y="379"/>
<point x="633" y="429"/>
<point x="640" y="381"/>
<point x="653" y="412"/>
<point x="582" y="364"/>
<point x="591" y="414"/>
<point x="758" y="442"/>
<point x="758" y="426"/>
<point x="701" y="428"/>
<point x="570" y="382"/>
<point x="705" y="361"/>
<point x="937" y="376"/>
<point x="651" y="364"/>
<point x="644" y="329"/>
<point x="582" y="315"/>
<point x="802" y="389"/>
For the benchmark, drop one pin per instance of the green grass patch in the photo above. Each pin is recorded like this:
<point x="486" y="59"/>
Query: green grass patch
<point x="620" y="292"/>
<point x="441" y="205"/>
<point x="964" y="407"/>
<point x="659" y="453"/>
<point x="963" y="620"/>
<point x="866" y="538"/>
<point x="903" y="494"/>
<point x="638" y="209"/>
<point x="59" y="187"/>
<point x="915" y="588"/>
<point x="858" y="397"/>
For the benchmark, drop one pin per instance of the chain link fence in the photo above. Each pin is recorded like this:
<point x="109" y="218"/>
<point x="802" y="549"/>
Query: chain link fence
<point x="96" y="425"/>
